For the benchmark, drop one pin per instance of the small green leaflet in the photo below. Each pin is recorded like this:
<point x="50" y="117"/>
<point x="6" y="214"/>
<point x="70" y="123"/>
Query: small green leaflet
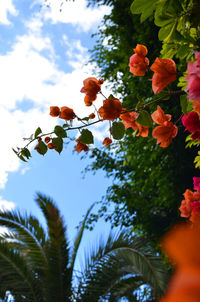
<point x="58" y="141"/>
<point x="144" y="119"/>
<point x="184" y="103"/>
<point x="38" y="131"/>
<point x="42" y="148"/>
<point x="86" y="137"/>
<point x="117" y="130"/>
<point x="60" y="132"/>
<point x="143" y="7"/>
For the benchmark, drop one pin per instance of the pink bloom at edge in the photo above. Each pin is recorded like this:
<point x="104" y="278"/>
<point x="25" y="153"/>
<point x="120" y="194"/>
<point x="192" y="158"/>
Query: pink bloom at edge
<point x="193" y="78"/>
<point x="196" y="182"/>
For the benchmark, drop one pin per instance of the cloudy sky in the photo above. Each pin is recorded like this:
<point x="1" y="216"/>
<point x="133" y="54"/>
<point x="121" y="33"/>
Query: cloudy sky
<point x="43" y="61"/>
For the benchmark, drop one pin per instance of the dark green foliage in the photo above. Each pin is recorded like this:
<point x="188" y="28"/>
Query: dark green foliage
<point x="148" y="180"/>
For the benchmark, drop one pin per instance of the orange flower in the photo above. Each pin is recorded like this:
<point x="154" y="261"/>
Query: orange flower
<point x="91" y="116"/>
<point x="67" y="113"/>
<point x="190" y="206"/>
<point x="138" y="63"/>
<point x="51" y="146"/>
<point x="196" y="106"/>
<point x="185" y="208"/>
<point x="54" y="111"/>
<point x="111" y="109"/>
<point x="182" y="245"/>
<point x="164" y="73"/>
<point x="166" y="131"/>
<point x="81" y="146"/>
<point x="159" y="117"/>
<point x="128" y="120"/>
<point x="91" y="86"/>
<point x="47" y="139"/>
<point x="107" y="141"/>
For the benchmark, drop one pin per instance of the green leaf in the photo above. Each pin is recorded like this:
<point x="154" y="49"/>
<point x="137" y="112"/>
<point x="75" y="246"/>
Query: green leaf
<point x="144" y="118"/>
<point x="42" y="148"/>
<point x="58" y="141"/>
<point x="60" y="132"/>
<point x="38" y="131"/>
<point x="183" y="51"/>
<point x="111" y="96"/>
<point x="143" y="7"/>
<point x="25" y="152"/>
<point x="85" y="119"/>
<point x="86" y="137"/>
<point x="184" y="103"/>
<point x="117" y="130"/>
<point x="166" y="32"/>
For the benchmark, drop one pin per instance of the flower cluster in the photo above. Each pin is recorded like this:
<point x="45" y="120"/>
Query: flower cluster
<point x="164" y="69"/>
<point x="190" y="206"/>
<point x="191" y="121"/>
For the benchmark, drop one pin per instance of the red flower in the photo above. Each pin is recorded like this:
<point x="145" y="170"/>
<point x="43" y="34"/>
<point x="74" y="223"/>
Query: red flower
<point x="196" y="182"/>
<point x="47" y="139"/>
<point x="128" y="120"/>
<point x="51" y="146"/>
<point x="138" y="63"/>
<point x="91" y="116"/>
<point x="193" y="78"/>
<point x="81" y="146"/>
<point x="107" y="141"/>
<point x="182" y="245"/>
<point x="164" y="73"/>
<point x="54" y="111"/>
<point x="189" y="204"/>
<point x="111" y="109"/>
<point x="196" y="106"/>
<point x="91" y="86"/>
<point x="191" y="121"/>
<point x="166" y="131"/>
<point x="67" y="113"/>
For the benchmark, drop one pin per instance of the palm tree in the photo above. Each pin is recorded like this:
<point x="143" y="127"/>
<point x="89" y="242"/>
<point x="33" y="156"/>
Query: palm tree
<point x="38" y="265"/>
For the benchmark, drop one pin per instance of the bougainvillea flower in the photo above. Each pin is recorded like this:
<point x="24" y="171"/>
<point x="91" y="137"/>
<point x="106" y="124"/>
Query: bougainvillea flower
<point x="159" y="117"/>
<point x="191" y="121"/>
<point x="138" y="63"/>
<point x="195" y="215"/>
<point x="111" y="109"/>
<point x="54" y="111"/>
<point x="67" y="113"/>
<point x="128" y="119"/>
<point x="89" y="99"/>
<point x="107" y="141"/>
<point x="185" y="209"/>
<point x="182" y="245"/>
<point x="193" y="78"/>
<point x="51" y="146"/>
<point x="165" y="133"/>
<point x="196" y="106"/>
<point x="47" y="139"/>
<point x="81" y="146"/>
<point x="188" y="205"/>
<point x="196" y="182"/>
<point x="91" y="86"/>
<point x="164" y="73"/>
<point x="92" y="116"/>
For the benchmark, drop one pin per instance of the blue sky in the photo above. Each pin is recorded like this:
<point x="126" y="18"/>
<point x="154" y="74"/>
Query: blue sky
<point x="44" y="59"/>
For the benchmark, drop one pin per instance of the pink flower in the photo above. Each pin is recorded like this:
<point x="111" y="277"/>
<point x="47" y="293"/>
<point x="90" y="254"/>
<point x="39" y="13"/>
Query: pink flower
<point x="196" y="182"/>
<point x="193" y="78"/>
<point x="191" y="121"/>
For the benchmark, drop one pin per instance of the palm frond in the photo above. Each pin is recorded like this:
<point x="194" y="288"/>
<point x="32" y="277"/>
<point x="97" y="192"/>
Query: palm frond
<point x="79" y="237"/>
<point x="27" y="231"/>
<point x="16" y="277"/>
<point x="120" y="257"/>
<point x="58" y="282"/>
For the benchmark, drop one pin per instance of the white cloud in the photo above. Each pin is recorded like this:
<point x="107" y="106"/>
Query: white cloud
<point x="6" y="7"/>
<point x="76" y="13"/>
<point x="6" y="205"/>
<point x="27" y="74"/>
